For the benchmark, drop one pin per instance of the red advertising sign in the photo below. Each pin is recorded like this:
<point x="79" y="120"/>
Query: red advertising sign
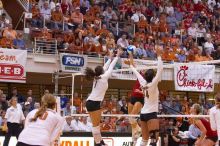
<point x="12" y="65"/>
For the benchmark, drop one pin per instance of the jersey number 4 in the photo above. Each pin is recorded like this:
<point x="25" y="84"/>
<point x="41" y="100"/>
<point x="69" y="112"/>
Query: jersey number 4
<point x="44" y="116"/>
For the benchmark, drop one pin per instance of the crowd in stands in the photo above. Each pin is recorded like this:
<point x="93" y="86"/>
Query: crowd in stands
<point x="180" y="30"/>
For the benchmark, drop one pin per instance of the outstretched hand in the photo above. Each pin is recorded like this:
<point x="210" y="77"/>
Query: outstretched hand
<point x="111" y="54"/>
<point x="130" y="61"/>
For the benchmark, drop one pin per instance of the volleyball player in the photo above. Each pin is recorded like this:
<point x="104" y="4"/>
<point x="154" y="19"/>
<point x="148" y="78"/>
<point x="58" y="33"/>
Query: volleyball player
<point x="43" y="126"/>
<point x="208" y="137"/>
<point x="100" y="78"/>
<point x="215" y="116"/>
<point x="149" y="83"/>
<point x="134" y="107"/>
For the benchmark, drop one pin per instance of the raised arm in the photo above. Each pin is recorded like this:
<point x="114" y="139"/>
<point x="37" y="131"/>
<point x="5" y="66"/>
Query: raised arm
<point x="157" y="78"/>
<point x="107" y="64"/>
<point x="111" y="67"/>
<point x="141" y="79"/>
<point x="212" y="119"/>
<point x="107" y="74"/>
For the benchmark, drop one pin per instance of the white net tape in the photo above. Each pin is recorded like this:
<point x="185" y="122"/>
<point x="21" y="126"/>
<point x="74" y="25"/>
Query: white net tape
<point x="159" y="116"/>
<point x="169" y="65"/>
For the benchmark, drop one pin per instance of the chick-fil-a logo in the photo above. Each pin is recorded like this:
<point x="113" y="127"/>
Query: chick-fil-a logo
<point x="183" y="81"/>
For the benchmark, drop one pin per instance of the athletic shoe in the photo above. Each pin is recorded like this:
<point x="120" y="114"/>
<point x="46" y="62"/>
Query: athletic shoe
<point x="103" y="143"/>
<point x="135" y="135"/>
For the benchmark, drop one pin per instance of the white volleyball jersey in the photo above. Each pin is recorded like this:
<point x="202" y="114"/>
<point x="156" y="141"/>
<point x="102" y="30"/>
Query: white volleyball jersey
<point x="44" y="131"/>
<point x="151" y="101"/>
<point x="101" y="85"/>
<point x="215" y="120"/>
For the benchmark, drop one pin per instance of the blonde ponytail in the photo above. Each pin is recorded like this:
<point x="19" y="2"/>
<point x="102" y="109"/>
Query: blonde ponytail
<point x="47" y="101"/>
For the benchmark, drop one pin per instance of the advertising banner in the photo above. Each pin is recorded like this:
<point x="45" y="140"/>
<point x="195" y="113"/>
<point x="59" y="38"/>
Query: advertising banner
<point x="13" y="65"/>
<point x="194" y="77"/>
<point x="73" y="62"/>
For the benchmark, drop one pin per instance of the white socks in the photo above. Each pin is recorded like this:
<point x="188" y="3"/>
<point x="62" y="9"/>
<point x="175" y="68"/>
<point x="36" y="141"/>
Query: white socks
<point x="144" y="142"/>
<point x="96" y="134"/>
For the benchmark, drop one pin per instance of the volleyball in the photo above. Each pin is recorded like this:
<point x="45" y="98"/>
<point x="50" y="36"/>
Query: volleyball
<point x="131" y="49"/>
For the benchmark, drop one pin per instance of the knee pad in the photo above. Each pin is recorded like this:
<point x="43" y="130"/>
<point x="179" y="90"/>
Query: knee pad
<point x="153" y="136"/>
<point x="132" y="120"/>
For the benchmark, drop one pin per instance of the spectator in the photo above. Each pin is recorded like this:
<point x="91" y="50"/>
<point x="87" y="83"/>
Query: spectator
<point x="36" y="20"/>
<point x="201" y="33"/>
<point x="86" y="2"/>
<point x="57" y="19"/>
<point x="141" y="52"/>
<point x="86" y="126"/>
<point x="209" y="47"/>
<point x="216" y="55"/>
<point x="108" y="14"/>
<point x="83" y="8"/>
<point x="65" y="6"/>
<point x="30" y="94"/>
<point x="174" y="139"/>
<point x="172" y="22"/>
<point x="169" y="9"/>
<point x="68" y="110"/>
<point x="63" y="99"/>
<point x="123" y="42"/>
<point x="77" y="17"/>
<point x="4" y="21"/>
<point x="136" y="16"/>
<point x="76" y="124"/>
<point x="15" y="93"/>
<point x="124" y="107"/>
<point x="151" y="53"/>
<point x="36" y="105"/>
<point x="178" y="15"/>
<point x="9" y="33"/>
<point x="19" y="42"/>
<point x="45" y="12"/>
<point x="3" y="102"/>
<point x="192" y="31"/>
<point x="181" y="57"/>
<point x="167" y="104"/>
<point x="106" y="126"/>
<point x="77" y="100"/>
<point x="29" y="104"/>
<point x="67" y="125"/>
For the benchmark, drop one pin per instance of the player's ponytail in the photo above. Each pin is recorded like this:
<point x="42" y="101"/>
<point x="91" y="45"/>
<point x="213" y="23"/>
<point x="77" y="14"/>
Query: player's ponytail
<point x="48" y="101"/>
<point x="91" y="74"/>
<point x="217" y="100"/>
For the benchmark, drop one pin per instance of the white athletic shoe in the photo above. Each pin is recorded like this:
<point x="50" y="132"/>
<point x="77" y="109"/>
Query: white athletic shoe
<point x="135" y="135"/>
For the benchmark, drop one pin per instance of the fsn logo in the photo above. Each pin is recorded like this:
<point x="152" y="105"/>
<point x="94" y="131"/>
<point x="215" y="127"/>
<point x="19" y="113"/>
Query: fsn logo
<point x="73" y="60"/>
<point x="127" y="144"/>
